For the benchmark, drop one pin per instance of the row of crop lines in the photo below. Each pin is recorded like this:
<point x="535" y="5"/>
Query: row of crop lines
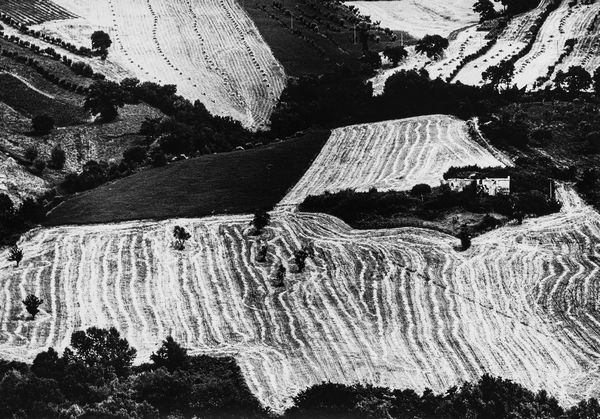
<point x="34" y="11"/>
<point x="238" y="74"/>
<point x="564" y="23"/>
<point x="586" y="31"/>
<point x="508" y="44"/>
<point x="391" y="155"/>
<point x="395" y="307"/>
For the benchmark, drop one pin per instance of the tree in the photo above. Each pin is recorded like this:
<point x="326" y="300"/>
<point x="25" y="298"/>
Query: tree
<point x="279" y="276"/>
<point x="170" y="355"/>
<point x="15" y="254"/>
<point x="57" y="158"/>
<point x="101" y="41"/>
<point x="31" y="154"/>
<point x="42" y="124"/>
<point x="596" y="81"/>
<point x="432" y="45"/>
<point x="465" y="239"/>
<point x="395" y="53"/>
<point x="500" y="74"/>
<point x="261" y="220"/>
<point x="420" y="189"/>
<point x="485" y="9"/>
<point x="103" y="98"/>
<point x="135" y="154"/>
<point x="300" y="259"/>
<point x="32" y="304"/>
<point x="181" y="236"/>
<point x="39" y="165"/>
<point x="363" y="35"/>
<point x="101" y="351"/>
<point x="574" y="80"/>
<point x="261" y="253"/>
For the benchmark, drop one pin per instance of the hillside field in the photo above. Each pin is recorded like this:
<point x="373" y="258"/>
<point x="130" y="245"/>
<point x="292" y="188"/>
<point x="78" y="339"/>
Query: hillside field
<point x="399" y="308"/>
<point x="233" y="183"/>
<point x="391" y="155"/>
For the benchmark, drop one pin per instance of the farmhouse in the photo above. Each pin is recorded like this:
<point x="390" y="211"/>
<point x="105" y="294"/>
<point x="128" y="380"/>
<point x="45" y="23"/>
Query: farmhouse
<point x="488" y="186"/>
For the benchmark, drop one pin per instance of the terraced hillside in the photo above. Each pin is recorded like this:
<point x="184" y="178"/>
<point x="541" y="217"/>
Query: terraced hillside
<point x="33" y="12"/>
<point x="211" y="50"/>
<point x="399" y="153"/>
<point x="399" y="308"/>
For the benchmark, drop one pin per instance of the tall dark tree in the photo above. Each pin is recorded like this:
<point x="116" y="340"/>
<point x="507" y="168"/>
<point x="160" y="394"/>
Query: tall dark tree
<point x="32" y="305"/>
<point x="171" y="355"/>
<point x="101" y="41"/>
<point x="432" y="45"/>
<point x="500" y="74"/>
<point x="57" y="158"/>
<point x="103" y="98"/>
<point x="485" y="9"/>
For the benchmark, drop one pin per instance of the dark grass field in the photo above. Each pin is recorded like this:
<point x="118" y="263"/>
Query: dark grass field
<point x="226" y="183"/>
<point x="29" y="102"/>
<point x="297" y="56"/>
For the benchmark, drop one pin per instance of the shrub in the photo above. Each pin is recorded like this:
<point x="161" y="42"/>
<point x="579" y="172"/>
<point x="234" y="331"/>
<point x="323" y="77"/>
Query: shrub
<point x="57" y="158"/>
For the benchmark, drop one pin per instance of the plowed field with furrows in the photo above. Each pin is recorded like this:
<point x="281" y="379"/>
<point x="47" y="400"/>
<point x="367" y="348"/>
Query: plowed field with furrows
<point x="210" y="49"/>
<point x="391" y="155"/>
<point x="398" y="307"/>
<point x="33" y="12"/>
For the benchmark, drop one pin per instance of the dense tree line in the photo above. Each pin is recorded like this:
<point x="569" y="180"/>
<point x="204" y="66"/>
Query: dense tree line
<point x="95" y="378"/>
<point x="14" y="220"/>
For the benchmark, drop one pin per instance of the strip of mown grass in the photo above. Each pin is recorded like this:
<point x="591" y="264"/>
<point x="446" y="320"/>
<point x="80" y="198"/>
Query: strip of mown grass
<point x="26" y="100"/>
<point x="225" y="183"/>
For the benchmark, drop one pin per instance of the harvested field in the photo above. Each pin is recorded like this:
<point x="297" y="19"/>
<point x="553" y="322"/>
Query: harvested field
<point x="25" y="98"/>
<point x="392" y="155"/>
<point x="398" y="308"/>
<point x="420" y="18"/>
<point x="33" y="12"/>
<point x="211" y="50"/>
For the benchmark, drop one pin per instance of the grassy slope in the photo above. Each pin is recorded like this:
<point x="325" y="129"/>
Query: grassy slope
<point x="22" y="98"/>
<point x="295" y="54"/>
<point x="236" y="182"/>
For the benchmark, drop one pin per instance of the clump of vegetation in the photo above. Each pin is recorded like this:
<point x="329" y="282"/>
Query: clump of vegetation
<point x="278" y="278"/>
<point x="432" y="46"/>
<point x="15" y="254"/>
<point x="32" y="305"/>
<point x="260" y="221"/>
<point x="262" y="250"/>
<point x="104" y="98"/>
<point x="57" y="158"/>
<point x="101" y="42"/>
<point x="180" y="235"/>
<point x="42" y="124"/>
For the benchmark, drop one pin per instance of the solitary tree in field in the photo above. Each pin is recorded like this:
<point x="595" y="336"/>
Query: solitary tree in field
<point x="101" y="42"/>
<point x="279" y="276"/>
<point x="15" y="254"/>
<point x="261" y="252"/>
<point x="432" y="45"/>
<point x="103" y="98"/>
<point x="485" y="9"/>
<point x="261" y="220"/>
<point x="181" y="236"/>
<point x="574" y="80"/>
<point x="395" y="54"/>
<point x="500" y="74"/>
<point x="42" y="124"/>
<point x="32" y="305"/>
<point x="57" y="158"/>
